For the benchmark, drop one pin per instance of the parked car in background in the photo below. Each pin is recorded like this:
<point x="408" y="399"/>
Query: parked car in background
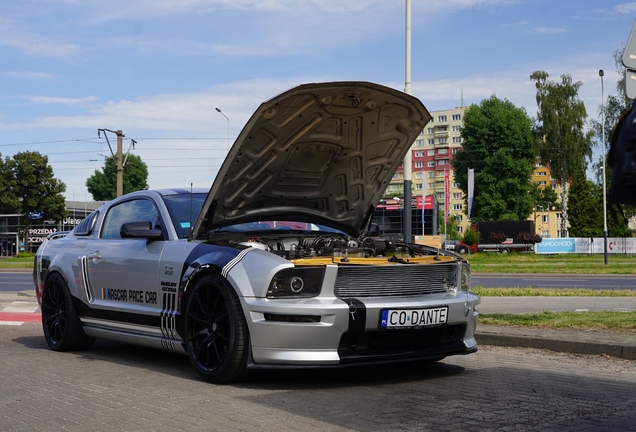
<point x="271" y="267"/>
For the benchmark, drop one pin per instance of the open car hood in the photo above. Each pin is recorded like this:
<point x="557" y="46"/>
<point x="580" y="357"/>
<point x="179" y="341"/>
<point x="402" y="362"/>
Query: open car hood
<point x="320" y="153"/>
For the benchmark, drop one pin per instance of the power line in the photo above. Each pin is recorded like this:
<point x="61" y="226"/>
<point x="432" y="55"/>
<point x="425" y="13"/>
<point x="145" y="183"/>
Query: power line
<point x="47" y="142"/>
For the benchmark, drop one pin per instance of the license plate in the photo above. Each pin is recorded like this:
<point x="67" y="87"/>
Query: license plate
<point x="413" y="318"/>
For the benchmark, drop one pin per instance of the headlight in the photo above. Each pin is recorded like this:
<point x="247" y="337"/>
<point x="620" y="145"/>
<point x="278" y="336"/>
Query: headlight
<point x="465" y="268"/>
<point x="298" y="282"/>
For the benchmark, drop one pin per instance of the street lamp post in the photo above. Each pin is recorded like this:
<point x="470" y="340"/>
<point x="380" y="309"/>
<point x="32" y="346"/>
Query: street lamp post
<point x="601" y="73"/>
<point x="228" y="126"/>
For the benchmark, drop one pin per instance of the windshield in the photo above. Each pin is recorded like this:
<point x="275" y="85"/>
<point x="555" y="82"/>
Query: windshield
<point x="184" y="208"/>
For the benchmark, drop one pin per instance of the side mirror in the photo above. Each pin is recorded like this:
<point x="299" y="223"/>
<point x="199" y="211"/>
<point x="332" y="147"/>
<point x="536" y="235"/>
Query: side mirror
<point x="140" y="230"/>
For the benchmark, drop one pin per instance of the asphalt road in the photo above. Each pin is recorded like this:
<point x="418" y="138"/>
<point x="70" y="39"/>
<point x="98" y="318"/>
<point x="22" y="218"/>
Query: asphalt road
<point x="115" y="387"/>
<point x="16" y="281"/>
<point x="595" y="282"/>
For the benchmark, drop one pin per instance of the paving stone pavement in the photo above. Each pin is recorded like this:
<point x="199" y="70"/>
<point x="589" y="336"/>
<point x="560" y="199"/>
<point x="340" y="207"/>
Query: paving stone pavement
<point x="115" y="387"/>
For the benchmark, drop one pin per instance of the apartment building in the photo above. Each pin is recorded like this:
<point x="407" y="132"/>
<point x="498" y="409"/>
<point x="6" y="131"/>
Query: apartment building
<point x="432" y="155"/>
<point x="547" y="220"/>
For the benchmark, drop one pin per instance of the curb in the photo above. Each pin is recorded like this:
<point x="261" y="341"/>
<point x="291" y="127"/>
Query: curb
<point x="614" y="344"/>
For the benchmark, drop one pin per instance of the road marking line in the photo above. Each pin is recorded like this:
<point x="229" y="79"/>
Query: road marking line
<point x="21" y="307"/>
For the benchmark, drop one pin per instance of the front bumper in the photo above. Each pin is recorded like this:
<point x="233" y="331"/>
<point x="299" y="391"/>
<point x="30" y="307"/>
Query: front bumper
<point x="331" y="331"/>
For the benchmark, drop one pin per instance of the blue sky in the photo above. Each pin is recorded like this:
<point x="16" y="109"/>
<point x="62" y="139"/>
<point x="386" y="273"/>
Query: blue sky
<point x="157" y="69"/>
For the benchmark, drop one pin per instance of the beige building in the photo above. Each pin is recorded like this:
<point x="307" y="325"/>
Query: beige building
<point x="547" y="221"/>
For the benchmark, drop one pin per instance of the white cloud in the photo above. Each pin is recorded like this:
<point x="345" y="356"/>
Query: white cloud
<point x="62" y="100"/>
<point x="34" y="44"/>
<point x="550" y="30"/>
<point x="191" y="112"/>
<point x="625" y="8"/>
<point x="27" y="75"/>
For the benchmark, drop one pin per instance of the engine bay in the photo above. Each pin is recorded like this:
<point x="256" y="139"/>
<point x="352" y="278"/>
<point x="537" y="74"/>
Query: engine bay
<point x="293" y="246"/>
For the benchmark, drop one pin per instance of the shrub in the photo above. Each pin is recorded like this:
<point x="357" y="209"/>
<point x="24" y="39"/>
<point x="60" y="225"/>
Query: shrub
<point x="497" y="237"/>
<point x="471" y="236"/>
<point x="528" y="237"/>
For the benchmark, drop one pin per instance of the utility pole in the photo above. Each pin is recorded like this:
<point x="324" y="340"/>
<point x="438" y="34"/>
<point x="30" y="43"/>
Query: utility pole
<point x="119" y="158"/>
<point x="408" y="161"/>
<point x="120" y="166"/>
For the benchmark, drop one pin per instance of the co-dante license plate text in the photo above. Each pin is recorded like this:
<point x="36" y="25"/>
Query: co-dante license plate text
<point x="413" y="318"/>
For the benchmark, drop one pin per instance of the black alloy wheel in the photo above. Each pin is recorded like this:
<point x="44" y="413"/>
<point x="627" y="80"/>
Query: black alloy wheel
<point x="216" y="331"/>
<point x="60" y="320"/>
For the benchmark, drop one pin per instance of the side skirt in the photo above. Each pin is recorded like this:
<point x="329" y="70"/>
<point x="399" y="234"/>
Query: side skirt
<point x="130" y="333"/>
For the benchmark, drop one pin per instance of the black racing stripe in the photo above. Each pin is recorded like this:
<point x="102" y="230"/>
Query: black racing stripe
<point x="202" y="254"/>
<point x="357" y="314"/>
<point x="117" y="316"/>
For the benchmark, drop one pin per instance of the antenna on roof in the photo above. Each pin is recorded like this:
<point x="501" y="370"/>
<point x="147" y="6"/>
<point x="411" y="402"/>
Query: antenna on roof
<point x="462" y="97"/>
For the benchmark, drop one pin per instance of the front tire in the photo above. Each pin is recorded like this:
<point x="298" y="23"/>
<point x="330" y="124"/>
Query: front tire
<point x="462" y="250"/>
<point x="216" y="331"/>
<point x="60" y="320"/>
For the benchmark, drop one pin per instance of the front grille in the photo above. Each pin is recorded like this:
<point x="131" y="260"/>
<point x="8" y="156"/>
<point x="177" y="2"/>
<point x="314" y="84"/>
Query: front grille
<point x="368" y="346"/>
<point x="395" y="280"/>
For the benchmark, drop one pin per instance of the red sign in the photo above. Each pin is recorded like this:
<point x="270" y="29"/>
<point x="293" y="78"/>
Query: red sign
<point x="428" y="202"/>
<point x="446" y="194"/>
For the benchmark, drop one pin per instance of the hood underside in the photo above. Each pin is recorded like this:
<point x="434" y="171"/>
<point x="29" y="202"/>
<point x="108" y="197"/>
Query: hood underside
<point x="319" y="153"/>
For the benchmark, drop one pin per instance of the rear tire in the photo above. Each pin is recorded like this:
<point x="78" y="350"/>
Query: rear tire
<point x="462" y="250"/>
<point x="60" y="320"/>
<point x="217" y="336"/>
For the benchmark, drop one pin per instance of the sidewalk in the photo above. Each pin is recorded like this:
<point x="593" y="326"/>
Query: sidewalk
<point x="615" y="344"/>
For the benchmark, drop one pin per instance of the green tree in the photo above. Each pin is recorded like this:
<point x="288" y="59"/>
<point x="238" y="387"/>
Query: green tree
<point x="585" y="207"/>
<point x="498" y="145"/>
<point x="471" y="236"/>
<point x="9" y="203"/>
<point x="545" y="197"/>
<point x="103" y="184"/>
<point x="615" y="106"/>
<point x="561" y="140"/>
<point x="32" y="188"/>
<point x="452" y="227"/>
<point x="586" y="211"/>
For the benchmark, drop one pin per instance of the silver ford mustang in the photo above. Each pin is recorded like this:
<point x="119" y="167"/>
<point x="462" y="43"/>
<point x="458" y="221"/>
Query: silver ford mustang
<point x="274" y="266"/>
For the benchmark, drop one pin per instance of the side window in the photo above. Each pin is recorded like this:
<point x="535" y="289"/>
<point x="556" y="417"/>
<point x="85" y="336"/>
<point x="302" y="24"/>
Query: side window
<point x="139" y="210"/>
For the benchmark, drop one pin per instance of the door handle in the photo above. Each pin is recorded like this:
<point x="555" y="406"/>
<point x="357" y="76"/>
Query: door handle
<point x="95" y="256"/>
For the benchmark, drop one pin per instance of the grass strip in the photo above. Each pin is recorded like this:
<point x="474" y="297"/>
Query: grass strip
<point x="490" y="262"/>
<point x="592" y="320"/>
<point x="550" y="292"/>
